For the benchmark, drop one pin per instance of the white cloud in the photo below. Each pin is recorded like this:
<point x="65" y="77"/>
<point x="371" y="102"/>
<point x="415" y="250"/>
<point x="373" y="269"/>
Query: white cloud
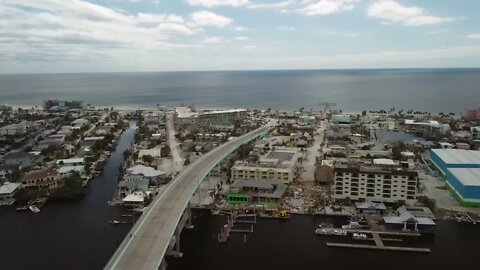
<point x="326" y="7"/>
<point x="241" y="29"/>
<point x="277" y="5"/>
<point x="215" y="40"/>
<point x="207" y="18"/>
<point x="474" y="36"/>
<point x="217" y="3"/>
<point x="286" y="28"/>
<point x="249" y="48"/>
<point x="343" y="34"/>
<point x="242" y="38"/>
<point x="393" y="12"/>
<point x="435" y="32"/>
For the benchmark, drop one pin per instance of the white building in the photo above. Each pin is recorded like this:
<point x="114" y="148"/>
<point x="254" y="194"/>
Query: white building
<point x="374" y="184"/>
<point x="281" y="164"/>
<point x="13" y="129"/>
<point x="7" y="190"/>
<point x="185" y="117"/>
<point x="139" y="172"/>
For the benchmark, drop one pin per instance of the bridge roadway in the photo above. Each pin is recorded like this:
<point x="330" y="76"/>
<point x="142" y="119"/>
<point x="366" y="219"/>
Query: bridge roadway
<point x="147" y="242"/>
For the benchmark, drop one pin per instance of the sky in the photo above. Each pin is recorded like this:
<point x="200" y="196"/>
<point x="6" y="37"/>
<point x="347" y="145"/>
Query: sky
<point x="63" y="36"/>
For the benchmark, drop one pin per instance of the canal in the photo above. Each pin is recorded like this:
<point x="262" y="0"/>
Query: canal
<point x="73" y="235"/>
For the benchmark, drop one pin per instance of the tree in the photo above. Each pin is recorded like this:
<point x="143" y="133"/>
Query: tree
<point x="364" y="113"/>
<point x="147" y="158"/>
<point x="166" y="151"/>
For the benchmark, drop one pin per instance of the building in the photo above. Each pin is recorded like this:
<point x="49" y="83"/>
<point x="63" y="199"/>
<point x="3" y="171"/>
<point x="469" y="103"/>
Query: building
<point x="186" y="118"/>
<point x="374" y="183"/>
<point x="306" y="120"/>
<point x="299" y="139"/>
<point x="136" y="199"/>
<point x="80" y="123"/>
<point x="55" y="105"/>
<point x="268" y="192"/>
<point x="281" y="164"/>
<point x="42" y="179"/>
<point x="22" y="159"/>
<point x="128" y="187"/>
<point x="431" y="129"/>
<point x="51" y="141"/>
<point x="473" y="114"/>
<point x="140" y="172"/>
<point x="14" y="129"/>
<point x="409" y="221"/>
<point x="67" y="171"/>
<point x="475" y="132"/>
<point x="370" y="207"/>
<point x="71" y="162"/>
<point x="461" y="170"/>
<point x="7" y="191"/>
<point x="345" y="119"/>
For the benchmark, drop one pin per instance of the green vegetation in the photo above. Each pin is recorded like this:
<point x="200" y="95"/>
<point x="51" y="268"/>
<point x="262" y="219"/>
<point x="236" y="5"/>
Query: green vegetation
<point x="72" y="189"/>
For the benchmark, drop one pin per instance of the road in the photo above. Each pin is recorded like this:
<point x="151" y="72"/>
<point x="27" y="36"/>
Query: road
<point x="307" y="173"/>
<point x="177" y="160"/>
<point x="147" y="242"/>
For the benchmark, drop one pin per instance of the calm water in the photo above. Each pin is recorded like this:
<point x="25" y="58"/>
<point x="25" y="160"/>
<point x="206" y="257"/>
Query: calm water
<point x="293" y="245"/>
<point x="434" y="90"/>
<point x="67" y="235"/>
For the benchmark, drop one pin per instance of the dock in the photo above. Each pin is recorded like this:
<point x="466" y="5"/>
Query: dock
<point x="231" y="220"/>
<point x="387" y="248"/>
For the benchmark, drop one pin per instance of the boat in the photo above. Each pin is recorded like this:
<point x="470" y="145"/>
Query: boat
<point x="359" y="236"/>
<point x="115" y="222"/>
<point x="34" y="209"/>
<point x="324" y="231"/>
<point x="325" y="225"/>
<point x="22" y="208"/>
<point x="340" y="232"/>
<point x="140" y="210"/>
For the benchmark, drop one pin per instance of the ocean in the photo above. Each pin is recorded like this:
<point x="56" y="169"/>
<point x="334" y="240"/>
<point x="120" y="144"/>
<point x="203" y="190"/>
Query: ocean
<point x="432" y="90"/>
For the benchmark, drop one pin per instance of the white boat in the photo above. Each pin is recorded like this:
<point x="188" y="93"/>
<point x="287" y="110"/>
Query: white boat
<point x="34" y="209"/>
<point x="359" y="236"/>
<point x="340" y="232"/>
<point x="324" y="231"/>
<point x="140" y="210"/>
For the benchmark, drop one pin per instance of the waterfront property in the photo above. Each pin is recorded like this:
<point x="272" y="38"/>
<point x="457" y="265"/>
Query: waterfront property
<point x="21" y="159"/>
<point x="408" y="221"/>
<point x="280" y="163"/>
<point x="370" y="207"/>
<point x="42" y="179"/>
<point x="56" y="105"/>
<point x="140" y="172"/>
<point x="374" y="183"/>
<point x="186" y="118"/>
<point x="269" y="192"/>
<point x="7" y="191"/>
<point x="14" y="129"/>
<point x="461" y="169"/>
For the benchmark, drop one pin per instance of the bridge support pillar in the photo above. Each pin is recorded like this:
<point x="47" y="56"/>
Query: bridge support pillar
<point x="189" y="224"/>
<point x="163" y="264"/>
<point x="177" y="253"/>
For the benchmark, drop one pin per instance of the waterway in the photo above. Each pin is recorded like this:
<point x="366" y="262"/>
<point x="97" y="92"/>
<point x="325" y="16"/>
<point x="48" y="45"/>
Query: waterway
<point x="73" y="235"/>
<point x="292" y="244"/>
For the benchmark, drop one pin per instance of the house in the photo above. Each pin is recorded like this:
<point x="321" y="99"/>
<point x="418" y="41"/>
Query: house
<point x="7" y="169"/>
<point x="80" y="123"/>
<point x="67" y="171"/>
<point x="370" y="207"/>
<point x="22" y="159"/>
<point x="140" y="172"/>
<point x="71" y="162"/>
<point x="51" y="141"/>
<point x="90" y="141"/>
<point x="407" y="221"/>
<point x="126" y="187"/>
<point x="42" y="179"/>
<point x="14" y="129"/>
<point x="299" y="139"/>
<point x="135" y="199"/>
<point x="7" y="191"/>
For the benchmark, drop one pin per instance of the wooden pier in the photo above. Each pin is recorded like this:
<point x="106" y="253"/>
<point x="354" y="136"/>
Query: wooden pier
<point x="231" y="220"/>
<point x="387" y="248"/>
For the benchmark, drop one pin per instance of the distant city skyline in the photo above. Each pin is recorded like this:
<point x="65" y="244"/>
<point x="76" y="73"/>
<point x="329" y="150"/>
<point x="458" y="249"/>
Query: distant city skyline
<point x="56" y="36"/>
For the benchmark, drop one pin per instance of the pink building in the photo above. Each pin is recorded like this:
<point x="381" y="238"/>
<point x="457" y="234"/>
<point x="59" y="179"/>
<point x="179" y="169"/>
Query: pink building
<point x="473" y="114"/>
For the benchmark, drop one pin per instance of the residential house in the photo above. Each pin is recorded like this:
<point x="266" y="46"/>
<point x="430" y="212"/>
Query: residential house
<point x="140" y="172"/>
<point x="43" y="179"/>
<point x="22" y="159"/>
<point x="7" y="191"/>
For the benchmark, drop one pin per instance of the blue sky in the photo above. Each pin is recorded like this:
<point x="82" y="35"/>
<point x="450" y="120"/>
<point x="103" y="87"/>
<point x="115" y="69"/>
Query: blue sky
<point x="38" y="36"/>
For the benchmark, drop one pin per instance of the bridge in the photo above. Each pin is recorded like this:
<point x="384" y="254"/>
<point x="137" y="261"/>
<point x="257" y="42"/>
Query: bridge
<point x="157" y="232"/>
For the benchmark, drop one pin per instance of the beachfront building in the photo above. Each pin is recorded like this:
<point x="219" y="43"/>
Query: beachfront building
<point x="186" y="118"/>
<point x="56" y="105"/>
<point x="79" y="123"/>
<point x="280" y="163"/>
<point x="267" y="192"/>
<point x="47" y="179"/>
<point x="473" y="114"/>
<point x="136" y="199"/>
<point x="374" y="183"/>
<point x="431" y="129"/>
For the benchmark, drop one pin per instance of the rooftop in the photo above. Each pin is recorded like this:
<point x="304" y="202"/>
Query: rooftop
<point x="467" y="176"/>
<point x="36" y="174"/>
<point x="458" y="156"/>
<point x="145" y="171"/>
<point x="8" y="188"/>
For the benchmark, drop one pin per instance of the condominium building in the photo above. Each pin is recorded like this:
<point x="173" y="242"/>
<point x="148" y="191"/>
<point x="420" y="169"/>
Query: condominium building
<point x="43" y="179"/>
<point x="186" y="118"/>
<point x="281" y="164"/>
<point x="374" y="183"/>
